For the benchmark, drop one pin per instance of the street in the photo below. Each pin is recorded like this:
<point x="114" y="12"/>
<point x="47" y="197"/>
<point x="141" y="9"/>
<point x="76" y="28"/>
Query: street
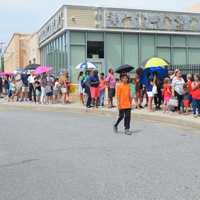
<point x="48" y="155"/>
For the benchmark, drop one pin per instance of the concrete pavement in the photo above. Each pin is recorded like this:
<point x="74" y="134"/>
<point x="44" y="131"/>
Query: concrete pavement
<point x="59" y="155"/>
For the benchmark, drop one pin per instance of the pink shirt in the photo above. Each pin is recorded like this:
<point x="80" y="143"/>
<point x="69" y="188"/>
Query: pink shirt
<point x="111" y="81"/>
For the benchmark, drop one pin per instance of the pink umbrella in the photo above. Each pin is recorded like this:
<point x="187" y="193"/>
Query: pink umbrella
<point x="9" y="73"/>
<point x="6" y="74"/>
<point x="42" y="69"/>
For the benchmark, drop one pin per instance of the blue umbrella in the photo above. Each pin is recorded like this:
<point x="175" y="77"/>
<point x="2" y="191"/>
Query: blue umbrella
<point x="150" y="72"/>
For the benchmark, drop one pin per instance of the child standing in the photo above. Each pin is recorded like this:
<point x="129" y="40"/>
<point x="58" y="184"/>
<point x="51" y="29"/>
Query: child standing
<point x="186" y="99"/>
<point x="124" y="104"/>
<point x="37" y="91"/>
<point x="56" y="90"/>
<point x="11" y="90"/>
<point x="167" y="93"/>
<point x="196" y="96"/>
<point x="133" y="92"/>
<point x="102" y="88"/>
<point x="80" y="88"/>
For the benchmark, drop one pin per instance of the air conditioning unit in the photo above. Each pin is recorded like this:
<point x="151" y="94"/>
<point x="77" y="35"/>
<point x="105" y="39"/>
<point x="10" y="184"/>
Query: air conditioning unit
<point x="95" y="56"/>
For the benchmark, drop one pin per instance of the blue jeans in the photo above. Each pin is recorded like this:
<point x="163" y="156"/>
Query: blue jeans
<point x="89" y="98"/>
<point x="196" y="106"/>
<point x="180" y="102"/>
<point x="102" y="97"/>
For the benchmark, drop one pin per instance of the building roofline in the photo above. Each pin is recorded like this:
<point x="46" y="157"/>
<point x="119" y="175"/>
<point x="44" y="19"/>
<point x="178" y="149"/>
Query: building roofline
<point x="46" y="21"/>
<point x="13" y="35"/>
<point x="114" y="8"/>
<point x="132" y="9"/>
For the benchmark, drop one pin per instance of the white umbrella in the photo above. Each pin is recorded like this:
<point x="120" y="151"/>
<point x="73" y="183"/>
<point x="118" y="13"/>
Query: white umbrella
<point x="86" y="65"/>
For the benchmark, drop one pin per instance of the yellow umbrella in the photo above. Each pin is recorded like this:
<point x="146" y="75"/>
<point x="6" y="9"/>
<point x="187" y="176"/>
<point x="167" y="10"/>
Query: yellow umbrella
<point x="155" y="62"/>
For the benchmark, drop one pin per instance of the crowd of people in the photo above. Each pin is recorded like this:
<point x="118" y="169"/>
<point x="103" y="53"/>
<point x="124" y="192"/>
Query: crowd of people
<point x="41" y="89"/>
<point x="92" y="88"/>
<point x="172" y="94"/>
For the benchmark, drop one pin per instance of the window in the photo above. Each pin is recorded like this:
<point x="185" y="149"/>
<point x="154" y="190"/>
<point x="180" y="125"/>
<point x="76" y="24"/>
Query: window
<point x="95" y="49"/>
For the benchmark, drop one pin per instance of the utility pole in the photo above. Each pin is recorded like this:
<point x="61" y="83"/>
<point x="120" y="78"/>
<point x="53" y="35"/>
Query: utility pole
<point x="1" y="47"/>
<point x="1" y="56"/>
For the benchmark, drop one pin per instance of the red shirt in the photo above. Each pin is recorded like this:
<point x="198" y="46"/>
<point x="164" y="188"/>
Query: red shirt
<point x="196" y="93"/>
<point x="189" y="86"/>
<point x="167" y="90"/>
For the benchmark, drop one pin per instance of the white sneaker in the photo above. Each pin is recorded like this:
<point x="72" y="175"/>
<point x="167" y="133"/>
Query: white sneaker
<point x="128" y="132"/>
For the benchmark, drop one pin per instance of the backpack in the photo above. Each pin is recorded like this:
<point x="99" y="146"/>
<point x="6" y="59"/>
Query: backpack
<point x="83" y="82"/>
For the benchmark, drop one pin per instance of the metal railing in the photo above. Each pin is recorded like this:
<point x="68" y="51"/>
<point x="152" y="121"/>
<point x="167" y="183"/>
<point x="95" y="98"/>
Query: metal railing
<point x="186" y="69"/>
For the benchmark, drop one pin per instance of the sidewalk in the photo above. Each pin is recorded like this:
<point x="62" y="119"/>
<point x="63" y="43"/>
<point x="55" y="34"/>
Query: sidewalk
<point x="186" y="121"/>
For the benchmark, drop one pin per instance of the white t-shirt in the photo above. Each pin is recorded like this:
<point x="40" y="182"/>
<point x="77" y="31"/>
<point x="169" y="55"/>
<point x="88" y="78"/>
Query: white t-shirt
<point x="56" y="86"/>
<point x="31" y="79"/>
<point x="177" y="85"/>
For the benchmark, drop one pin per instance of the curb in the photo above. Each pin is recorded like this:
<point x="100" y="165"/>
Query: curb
<point x="161" y="118"/>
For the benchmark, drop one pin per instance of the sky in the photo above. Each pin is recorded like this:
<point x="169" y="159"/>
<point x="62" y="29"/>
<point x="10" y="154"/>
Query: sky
<point x="28" y="16"/>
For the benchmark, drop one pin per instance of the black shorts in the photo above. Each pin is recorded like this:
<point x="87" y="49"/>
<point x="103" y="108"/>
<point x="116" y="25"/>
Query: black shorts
<point x="49" y="94"/>
<point x="10" y="93"/>
<point x="111" y="92"/>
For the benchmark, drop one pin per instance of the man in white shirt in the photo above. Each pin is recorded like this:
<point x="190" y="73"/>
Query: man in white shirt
<point x="31" y="81"/>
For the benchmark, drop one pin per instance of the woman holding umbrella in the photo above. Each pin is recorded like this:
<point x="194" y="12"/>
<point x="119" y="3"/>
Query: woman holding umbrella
<point x="43" y="84"/>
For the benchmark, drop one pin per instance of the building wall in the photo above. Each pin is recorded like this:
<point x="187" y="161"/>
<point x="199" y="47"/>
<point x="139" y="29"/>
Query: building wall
<point x="21" y="49"/>
<point x="135" y="48"/>
<point x="55" y="53"/>
<point x="120" y="48"/>
<point x="12" y="54"/>
<point x="33" y="52"/>
<point x="129" y="36"/>
<point x="81" y="17"/>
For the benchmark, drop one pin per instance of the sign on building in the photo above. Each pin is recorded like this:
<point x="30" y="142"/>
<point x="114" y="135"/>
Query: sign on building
<point x="52" y="26"/>
<point x="152" y="20"/>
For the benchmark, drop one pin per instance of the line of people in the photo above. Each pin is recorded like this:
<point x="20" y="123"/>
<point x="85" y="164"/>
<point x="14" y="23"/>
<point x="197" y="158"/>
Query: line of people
<point x="92" y="88"/>
<point x="174" y="93"/>
<point x="41" y="89"/>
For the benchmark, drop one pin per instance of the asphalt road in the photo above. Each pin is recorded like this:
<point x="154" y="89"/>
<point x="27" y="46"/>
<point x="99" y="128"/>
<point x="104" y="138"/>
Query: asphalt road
<point x="76" y="156"/>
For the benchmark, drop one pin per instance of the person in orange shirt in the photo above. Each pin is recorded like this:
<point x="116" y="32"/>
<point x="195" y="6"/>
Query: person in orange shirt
<point x="124" y="104"/>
